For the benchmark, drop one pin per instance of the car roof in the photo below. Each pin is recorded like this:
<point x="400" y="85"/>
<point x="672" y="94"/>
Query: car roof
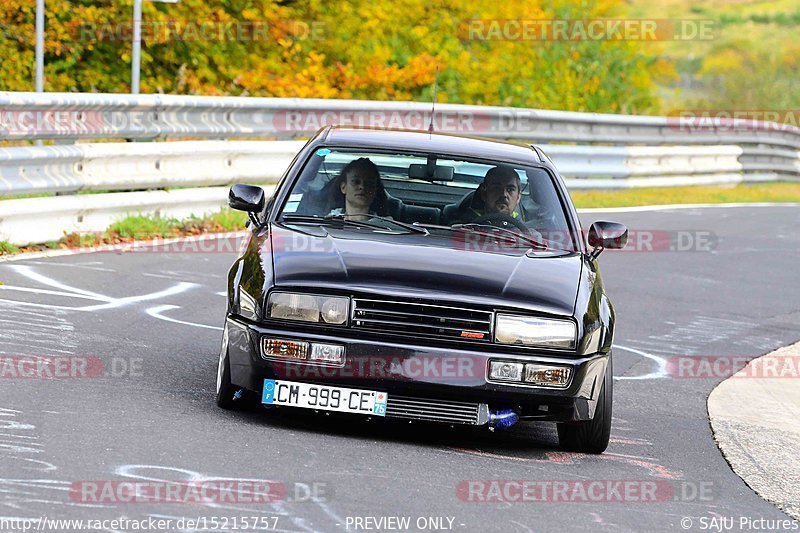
<point x="422" y="141"/>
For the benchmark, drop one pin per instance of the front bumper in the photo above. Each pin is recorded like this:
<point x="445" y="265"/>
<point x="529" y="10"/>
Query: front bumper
<point x="441" y="379"/>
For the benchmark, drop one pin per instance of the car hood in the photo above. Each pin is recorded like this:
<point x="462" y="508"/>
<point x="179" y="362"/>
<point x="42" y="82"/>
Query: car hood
<point x="439" y="269"/>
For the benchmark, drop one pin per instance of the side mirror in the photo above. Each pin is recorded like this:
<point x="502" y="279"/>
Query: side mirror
<point x="611" y="235"/>
<point x="248" y="198"/>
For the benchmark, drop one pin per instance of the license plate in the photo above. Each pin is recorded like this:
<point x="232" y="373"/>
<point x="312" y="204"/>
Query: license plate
<point x="295" y="394"/>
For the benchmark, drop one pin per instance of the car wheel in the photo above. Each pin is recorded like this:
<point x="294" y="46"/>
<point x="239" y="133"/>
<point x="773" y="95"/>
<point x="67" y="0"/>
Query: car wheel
<point x="591" y="436"/>
<point x="225" y="390"/>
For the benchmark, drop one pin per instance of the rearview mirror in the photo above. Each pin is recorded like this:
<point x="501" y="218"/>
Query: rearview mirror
<point x="419" y="171"/>
<point x="602" y="235"/>
<point x="248" y="198"/>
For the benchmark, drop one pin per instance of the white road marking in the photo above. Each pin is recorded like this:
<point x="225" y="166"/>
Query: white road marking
<point x="172" y="291"/>
<point x="47" y="291"/>
<point x="109" y="302"/>
<point x="694" y="337"/>
<point x="155" y="312"/>
<point x="39" y="326"/>
<point x="31" y="274"/>
<point x="87" y="265"/>
<point x="658" y="374"/>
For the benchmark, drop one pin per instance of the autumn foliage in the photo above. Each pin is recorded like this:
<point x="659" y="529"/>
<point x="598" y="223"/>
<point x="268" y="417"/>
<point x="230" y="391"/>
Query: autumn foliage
<point x="326" y="49"/>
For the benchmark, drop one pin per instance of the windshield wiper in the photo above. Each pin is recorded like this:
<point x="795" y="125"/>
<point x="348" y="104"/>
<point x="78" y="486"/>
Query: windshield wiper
<point x="488" y="230"/>
<point x="330" y="218"/>
<point x="410" y="227"/>
<point x="352" y="222"/>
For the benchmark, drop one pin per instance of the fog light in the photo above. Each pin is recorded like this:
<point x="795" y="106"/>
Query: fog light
<point x="505" y="371"/>
<point x="547" y="375"/>
<point x="329" y="353"/>
<point x="285" y="348"/>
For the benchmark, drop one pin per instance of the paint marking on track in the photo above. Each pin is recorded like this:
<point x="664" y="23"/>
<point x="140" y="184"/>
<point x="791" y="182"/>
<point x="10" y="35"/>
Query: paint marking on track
<point x="88" y="265"/>
<point x="660" y="373"/>
<point x="171" y="291"/>
<point x="47" y="291"/>
<point x="156" y="312"/>
<point x="31" y="274"/>
<point x="107" y="302"/>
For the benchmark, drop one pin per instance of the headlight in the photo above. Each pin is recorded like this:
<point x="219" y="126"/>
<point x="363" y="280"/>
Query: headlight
<point x="308" y="307"/>
<point x="334" y="310"/>
<point x="533" y="331"/>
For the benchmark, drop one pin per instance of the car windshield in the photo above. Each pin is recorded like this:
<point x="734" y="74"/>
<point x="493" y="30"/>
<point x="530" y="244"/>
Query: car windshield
<point x="361" y="189"/>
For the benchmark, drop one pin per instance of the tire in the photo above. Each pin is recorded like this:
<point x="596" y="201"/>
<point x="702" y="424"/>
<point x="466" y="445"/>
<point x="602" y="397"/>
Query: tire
<point x="230" y="396"/>
<point x="225" y="390"/>
<point x="591" y="436"/>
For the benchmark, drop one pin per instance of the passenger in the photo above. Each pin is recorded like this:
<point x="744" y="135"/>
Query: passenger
<point x="360" y="189"/>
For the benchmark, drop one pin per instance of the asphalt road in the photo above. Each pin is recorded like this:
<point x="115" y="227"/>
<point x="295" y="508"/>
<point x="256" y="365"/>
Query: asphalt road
<point x="161" y="314"/>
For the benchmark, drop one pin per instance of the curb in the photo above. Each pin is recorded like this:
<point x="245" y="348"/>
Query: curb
<point x="670" y="207"/>
<point x="756" y="424"/>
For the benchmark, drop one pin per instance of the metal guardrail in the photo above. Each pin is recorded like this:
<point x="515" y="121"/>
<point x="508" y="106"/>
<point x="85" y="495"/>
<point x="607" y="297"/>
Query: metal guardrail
<point x="28" y="220"/>
<point x="704" y="152"/>
<point x="27" y="116"/>
<point x="141" y="166"/>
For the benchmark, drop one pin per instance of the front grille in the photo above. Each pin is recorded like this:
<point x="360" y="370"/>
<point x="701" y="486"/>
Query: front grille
<point x="446" y="411"/>
<point x="416" y="319"/>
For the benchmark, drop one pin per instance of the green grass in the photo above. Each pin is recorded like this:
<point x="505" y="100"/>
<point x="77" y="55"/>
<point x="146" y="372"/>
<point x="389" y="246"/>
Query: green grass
<point x="149" y="227"/>
<point x="140" y="227"/>
<point x="144" y="227"/>
<point x="230" y="220"/>
<point x="744" y="193"/>
<point x="7" y="248"/>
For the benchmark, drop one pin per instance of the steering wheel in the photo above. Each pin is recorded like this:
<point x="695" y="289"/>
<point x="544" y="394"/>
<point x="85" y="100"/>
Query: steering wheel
<point x="501" y="220"/>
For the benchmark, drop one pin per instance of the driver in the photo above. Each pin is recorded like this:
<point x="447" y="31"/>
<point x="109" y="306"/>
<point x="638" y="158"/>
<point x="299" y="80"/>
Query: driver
<point x="498" y="193"/>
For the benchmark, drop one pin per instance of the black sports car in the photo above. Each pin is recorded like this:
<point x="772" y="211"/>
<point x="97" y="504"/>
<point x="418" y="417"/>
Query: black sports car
<point x="422" y="276"/>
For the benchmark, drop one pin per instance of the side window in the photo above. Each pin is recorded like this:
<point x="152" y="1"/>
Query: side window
<point x="306" y="191"/>
<point x="543" y="209"/>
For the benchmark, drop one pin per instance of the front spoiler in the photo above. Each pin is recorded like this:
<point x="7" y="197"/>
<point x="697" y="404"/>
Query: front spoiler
<point x="403" y="376"/>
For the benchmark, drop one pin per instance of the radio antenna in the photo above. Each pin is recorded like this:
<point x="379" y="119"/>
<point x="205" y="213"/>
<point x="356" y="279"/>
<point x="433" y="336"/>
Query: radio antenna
<point x="433" y="105"/>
